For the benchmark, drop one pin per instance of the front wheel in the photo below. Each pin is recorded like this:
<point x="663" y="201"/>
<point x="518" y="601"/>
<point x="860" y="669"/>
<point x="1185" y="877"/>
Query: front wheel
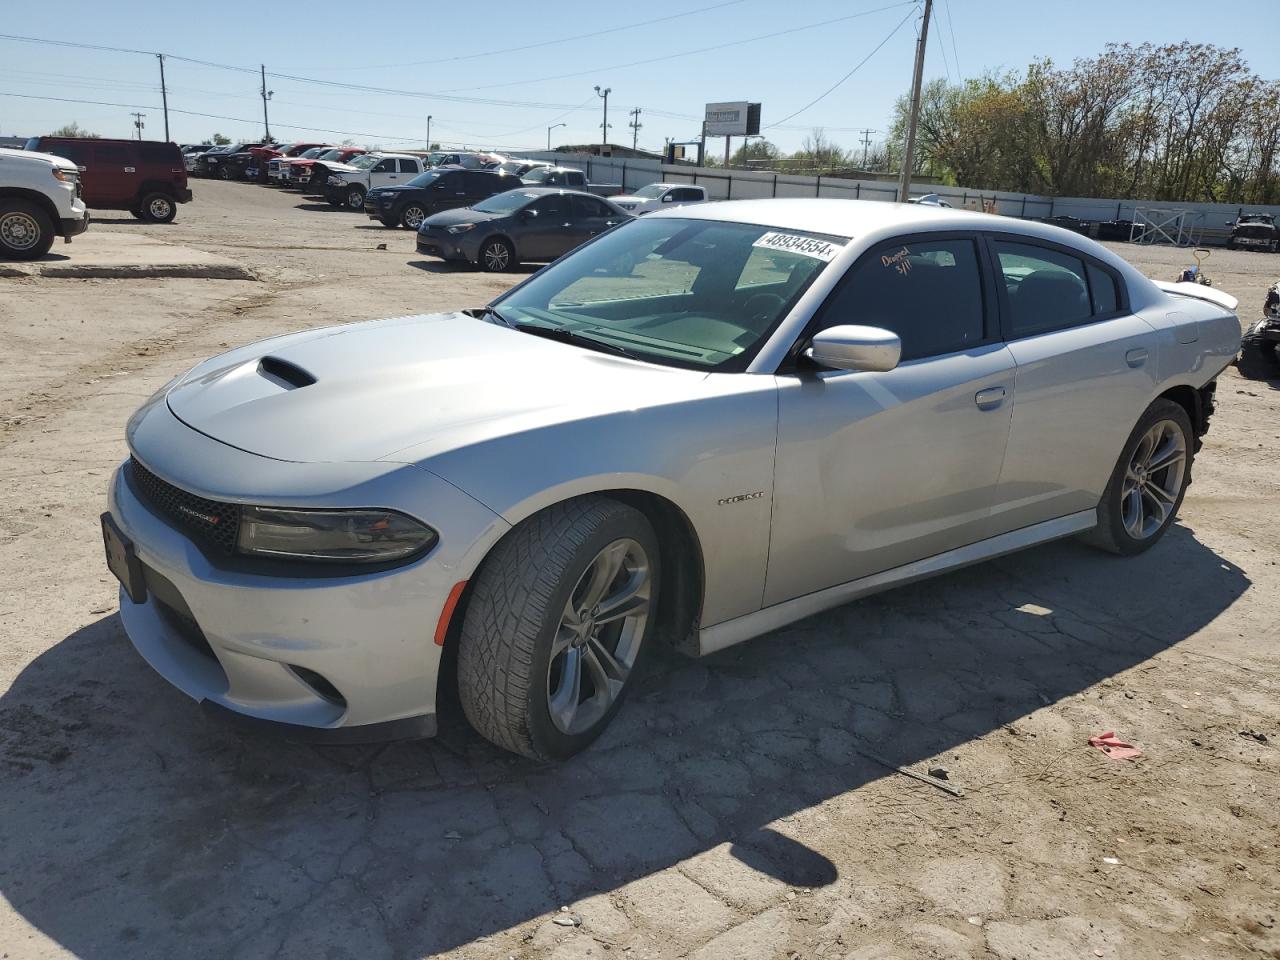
<point x="496" y="256"/>
<point x="558" y="618"/>
<point x="355" y="198"/>
<point x="224" y="173"/>
<point x="158" y="208"/>
<point x="1148" y="482"/>
<point x="26" y="231"/>
<point x="412" y="216"/>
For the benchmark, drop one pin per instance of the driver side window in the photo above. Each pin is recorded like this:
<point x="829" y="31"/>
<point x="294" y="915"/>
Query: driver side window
<point x="928" y="292"/>
<point x="385" y="166"/>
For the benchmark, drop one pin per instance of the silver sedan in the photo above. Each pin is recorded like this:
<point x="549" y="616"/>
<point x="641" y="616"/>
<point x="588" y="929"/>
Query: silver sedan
<point x="696" y="428"/>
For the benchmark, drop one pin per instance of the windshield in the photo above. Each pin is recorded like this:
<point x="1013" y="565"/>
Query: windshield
<point x="508" y="202"/>
<point x="311" y="154"/>
<point x="365" y="160"/>
<point x="426" y="179"/>
<point x="689" y="293"/>
<point x="331" y="154"/>
<point x="538" y="174"/>
<point x="652" y="192"/>
<point x="515" y="167"/>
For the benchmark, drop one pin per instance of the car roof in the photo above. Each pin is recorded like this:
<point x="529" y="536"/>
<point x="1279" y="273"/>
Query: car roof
<point x="543" y="191"/>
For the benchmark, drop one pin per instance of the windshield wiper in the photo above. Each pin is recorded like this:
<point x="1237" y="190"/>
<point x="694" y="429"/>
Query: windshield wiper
<point x="486" y="311"/>
<point x="565" y="335"/>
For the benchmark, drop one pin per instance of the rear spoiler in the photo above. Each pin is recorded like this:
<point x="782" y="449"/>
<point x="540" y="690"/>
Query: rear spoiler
<point x="1200" y="292"/>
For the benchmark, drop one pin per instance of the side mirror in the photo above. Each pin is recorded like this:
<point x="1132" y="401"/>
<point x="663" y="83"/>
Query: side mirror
<point x="852" y="347"/>
<point x="667" y="198"/>
<point x="528" y="213"/>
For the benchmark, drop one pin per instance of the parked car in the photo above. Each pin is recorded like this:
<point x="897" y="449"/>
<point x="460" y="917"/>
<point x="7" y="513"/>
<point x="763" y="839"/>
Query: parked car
<point x="695" y="429"/>
<point x="190" y="156"/>
<point x="348" y="183"/>
<point x="209" y="164"/>
<point x="518" y="168"/>
<point x="278" y="167"/>
<point x="439" y="189"/>
<point x="311" y="173"/>
<point x="40" y="199"/>
<point x="472" y="161"/>
<point x="655" y="195"/>
<point x="569" y="179"/>
<point x="1254" y="231"/>
<point x="270" y="160"/>
<point x="146" y="177"/>
<point x="528" y="225"/>
<point x="1115" y="229"/>
<point x="930" y="200"/>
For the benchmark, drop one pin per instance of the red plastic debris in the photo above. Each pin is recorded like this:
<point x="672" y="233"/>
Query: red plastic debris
<point x="1114" y="747"/>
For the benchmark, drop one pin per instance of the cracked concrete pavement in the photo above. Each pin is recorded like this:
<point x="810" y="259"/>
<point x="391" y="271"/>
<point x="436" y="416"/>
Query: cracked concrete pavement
<point x="729" y="812"/>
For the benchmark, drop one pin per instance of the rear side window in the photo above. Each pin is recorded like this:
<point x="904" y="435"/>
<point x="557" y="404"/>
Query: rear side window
<point x="77" y="153"/>
<point x="160" y="154"/>
<point x="1102" y="286"/>
<point x="928" y="292"/>
<point x="1047" y="289"/>
<point x="684" y="194"/>
<point x="408" y="166"/>
<point x="112" y="153"/>
<point x="481" y="184"/>
<point x="586" y="207"/>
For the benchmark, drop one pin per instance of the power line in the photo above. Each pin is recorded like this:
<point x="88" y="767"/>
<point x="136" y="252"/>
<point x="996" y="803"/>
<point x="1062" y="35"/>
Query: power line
<point x="548" y="43"/>
<point x="688" y="53"/>
<point x="937" y="25"/>
<point x="955" y="55"/>
<point x="858" y="66"/>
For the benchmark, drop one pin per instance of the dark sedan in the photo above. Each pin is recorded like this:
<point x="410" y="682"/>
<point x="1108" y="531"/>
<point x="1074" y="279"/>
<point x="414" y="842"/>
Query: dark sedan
<point x="536" y="224"/>
<point x="442" y="188"/>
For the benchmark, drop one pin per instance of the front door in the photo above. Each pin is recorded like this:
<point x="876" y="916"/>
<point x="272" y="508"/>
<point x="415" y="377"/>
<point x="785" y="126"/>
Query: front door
<point x="385" y="173"/>
<point x="876" y="470"/>
<point x="112" y="179"/>
<point x="448" y="192"/>
<point x="1086" y="372"/>
<point x="542" y="237"/>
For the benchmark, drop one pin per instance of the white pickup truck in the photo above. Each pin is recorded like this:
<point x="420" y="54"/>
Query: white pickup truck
<point x="39" y="200"/>
<point x="349" y="182"/>
<point x="657" y="195"/>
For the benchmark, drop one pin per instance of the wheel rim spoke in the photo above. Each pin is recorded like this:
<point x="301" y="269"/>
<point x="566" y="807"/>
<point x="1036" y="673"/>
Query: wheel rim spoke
<point x="564" y="701"/>
<point x="608" y="673"/>
<point x="1133" y="512"/>
<point x="607" y="566"/>
<point x="1154" y="480"/>
<point x="1166" y="456"/>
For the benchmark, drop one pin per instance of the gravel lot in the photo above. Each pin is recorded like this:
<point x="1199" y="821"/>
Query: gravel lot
<point x="728" y="813"/>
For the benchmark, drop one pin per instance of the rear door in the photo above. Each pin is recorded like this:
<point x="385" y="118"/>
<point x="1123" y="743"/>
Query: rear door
<point x="876" y="470"/>
<point x="543" y="237"/>
<point x="112" y="179"/>
<point x="1086" y="370"/>
<point x="591" y="216"/>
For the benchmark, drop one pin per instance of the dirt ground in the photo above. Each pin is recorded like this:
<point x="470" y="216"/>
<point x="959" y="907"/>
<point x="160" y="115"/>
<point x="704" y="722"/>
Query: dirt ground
<point x="729" y="812"/>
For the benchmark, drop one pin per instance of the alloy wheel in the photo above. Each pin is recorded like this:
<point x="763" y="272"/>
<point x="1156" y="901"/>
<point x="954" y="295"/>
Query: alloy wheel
<point x="1153" y="479"/>
<point x="413" y="217"/>
<point x="496" y="257"/>
<point x="598" y="639"/>
<point x="160" y="208"/>
<point x="19" y="230"/>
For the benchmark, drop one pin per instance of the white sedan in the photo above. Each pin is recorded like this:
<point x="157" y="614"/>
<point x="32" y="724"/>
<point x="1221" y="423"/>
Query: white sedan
<point x="657" y="195"/>
<point x="697" y="427"/>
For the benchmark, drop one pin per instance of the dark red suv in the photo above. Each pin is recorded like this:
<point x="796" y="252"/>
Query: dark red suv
<point x="146" y="177"/>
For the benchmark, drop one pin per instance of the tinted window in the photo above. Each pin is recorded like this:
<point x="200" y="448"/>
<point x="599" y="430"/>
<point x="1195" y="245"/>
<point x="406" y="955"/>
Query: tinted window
<point x="555" y="206"/>
<point x="928" y="292"/>
<point x="159" y="154"/>
<point x="77" y="153"/>
<point x="1102" y="285"/>
<point x="112" y="153"/>
<point x="481" y="184"/>
<point x="386" y="166"/>
<point x="449" y="181"/>
<point x="589" y="207"/>
<point x="408" y="166"/>
<point x="684" y="194"/>
<point x="1047" y="289"/>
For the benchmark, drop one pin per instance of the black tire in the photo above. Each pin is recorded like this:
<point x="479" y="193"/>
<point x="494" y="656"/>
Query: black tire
<point x="224" y="172"/>
<point x="388" y="222"/>
<point x="1258" y="358"/>
<point x="1231" y="243"/>
<point x="1111" y="533"/>
<point x="505" y="663"/>
<point x="412" y="215"/>
<point x="26" y="230"/>
<point x="496" y="256"/>
<point x="333" y="202"/>
<point x="138" y="214"/>
<point x="158" y="208"/>
<point x="355" y="198"/>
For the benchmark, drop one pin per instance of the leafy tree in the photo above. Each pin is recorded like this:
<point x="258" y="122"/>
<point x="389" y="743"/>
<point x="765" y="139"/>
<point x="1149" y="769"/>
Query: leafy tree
<point x="220" y="141"/>
<point x="74" y="129"/>
<point x="753" y="152"/>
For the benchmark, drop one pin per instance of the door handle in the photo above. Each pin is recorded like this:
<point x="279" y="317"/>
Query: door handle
<point x="990" y="398"/>
<point x="130" y="170"/>
<point x="1136" y="357"/>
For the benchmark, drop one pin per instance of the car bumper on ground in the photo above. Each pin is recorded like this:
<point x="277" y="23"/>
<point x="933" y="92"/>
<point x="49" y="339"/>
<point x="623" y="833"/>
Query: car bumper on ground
<point x="446" y="246"/>
<point x="347" y="658"/>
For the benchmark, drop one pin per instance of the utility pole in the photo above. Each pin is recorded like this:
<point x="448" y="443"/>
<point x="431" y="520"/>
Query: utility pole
<point x="866" y="143"/>
<point x="428" y="131"/>
<point x="904" y="178"/>
<point x="604" y="124"/>
<point x="137" y="123"/>
<point x="549" y="129"/>
<point x="164" y="96"/>
<point x="635" y="126"/>
<point x="266" y="95"/>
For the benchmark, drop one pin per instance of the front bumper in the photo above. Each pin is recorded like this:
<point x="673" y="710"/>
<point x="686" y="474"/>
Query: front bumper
<point x="69" y="227"/>
<point x="441" y="243"/>
<point x="254" y="643"/>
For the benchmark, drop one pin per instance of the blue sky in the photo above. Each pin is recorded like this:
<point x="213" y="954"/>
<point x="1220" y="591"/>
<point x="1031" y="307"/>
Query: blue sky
<point x="441" y="58"/>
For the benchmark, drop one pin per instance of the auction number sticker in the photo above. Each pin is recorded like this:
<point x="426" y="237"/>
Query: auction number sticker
<point x="823" y="250"/>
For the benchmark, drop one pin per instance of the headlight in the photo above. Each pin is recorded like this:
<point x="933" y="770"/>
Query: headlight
<point x="460" y="227"/>
<point x="335" y="181"/>
<point x="63" y="175"/>
<point x="359" y="536"/>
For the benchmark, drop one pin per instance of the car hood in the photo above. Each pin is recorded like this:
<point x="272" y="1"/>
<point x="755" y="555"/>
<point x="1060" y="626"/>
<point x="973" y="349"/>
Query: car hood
<point x="62" y="163"/>
<point x="335" y="167"/>
<point x="447" y="218"/>
<point x="368" y="391"/>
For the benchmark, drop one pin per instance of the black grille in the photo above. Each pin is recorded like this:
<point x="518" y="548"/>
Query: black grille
<point x="208" y="522"/>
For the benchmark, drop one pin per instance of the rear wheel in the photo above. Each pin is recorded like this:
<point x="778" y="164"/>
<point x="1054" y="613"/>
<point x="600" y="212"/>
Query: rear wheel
<point x="496" y="256"/>
<point x="412" y="216"/>
<point x="158" y="208"/>
<point x="1148" y="483"/>
<point x="26" y="231"/>
<point x="355" y="198"/>
<point x="558" y="618"/>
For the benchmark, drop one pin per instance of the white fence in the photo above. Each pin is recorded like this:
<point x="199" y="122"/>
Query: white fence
<point x="1204" y="222"/>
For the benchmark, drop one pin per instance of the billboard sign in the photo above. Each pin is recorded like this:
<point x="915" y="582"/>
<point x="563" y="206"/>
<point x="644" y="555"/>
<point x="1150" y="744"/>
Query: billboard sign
<point x="737" y="118"/>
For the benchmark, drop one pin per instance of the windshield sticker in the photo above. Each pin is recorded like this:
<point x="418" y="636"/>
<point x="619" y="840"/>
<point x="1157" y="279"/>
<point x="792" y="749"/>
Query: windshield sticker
<point x="822" y="250"/>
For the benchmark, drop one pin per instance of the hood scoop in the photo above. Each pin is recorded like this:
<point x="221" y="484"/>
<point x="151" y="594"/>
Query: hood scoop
<point x="284" y="373"/>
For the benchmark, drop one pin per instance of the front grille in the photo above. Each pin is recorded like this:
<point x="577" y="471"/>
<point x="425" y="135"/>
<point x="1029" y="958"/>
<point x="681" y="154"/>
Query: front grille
<point x="208" y="522"/>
